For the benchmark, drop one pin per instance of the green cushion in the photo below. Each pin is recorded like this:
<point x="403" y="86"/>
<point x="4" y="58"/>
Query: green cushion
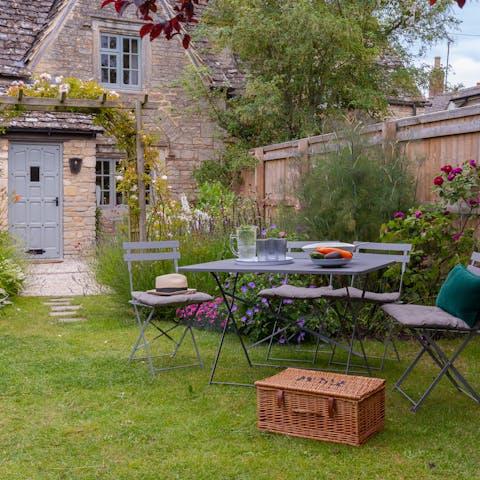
<point x="460" y="295"/>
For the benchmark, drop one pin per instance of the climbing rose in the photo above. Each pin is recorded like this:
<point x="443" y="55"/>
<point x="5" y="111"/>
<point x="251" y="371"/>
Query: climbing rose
<point x="438" y="181"/>
<point x="446" y="169"/>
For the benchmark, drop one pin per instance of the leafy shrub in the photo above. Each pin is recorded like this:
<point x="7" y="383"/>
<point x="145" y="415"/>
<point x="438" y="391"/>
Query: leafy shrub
<point x="347" y="194"/>
<point x="12" y="266"/>
<point x="440" y="238"/>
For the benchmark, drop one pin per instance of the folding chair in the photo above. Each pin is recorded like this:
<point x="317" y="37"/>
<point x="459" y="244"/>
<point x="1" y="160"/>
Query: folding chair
<point x="145" y="304"/>
<point x="292" y="292"/>
<point x="427" y="323"/>
<point x="397" y="252"/>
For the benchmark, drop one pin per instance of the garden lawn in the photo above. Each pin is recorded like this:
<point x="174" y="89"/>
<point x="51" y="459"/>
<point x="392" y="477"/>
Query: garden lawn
<point x="72" y="407"/>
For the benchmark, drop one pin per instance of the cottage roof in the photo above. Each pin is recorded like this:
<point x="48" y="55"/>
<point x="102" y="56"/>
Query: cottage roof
<point x="54" y="122"/>
<point x="451" y="100"/>
<point x="30" y="21"/>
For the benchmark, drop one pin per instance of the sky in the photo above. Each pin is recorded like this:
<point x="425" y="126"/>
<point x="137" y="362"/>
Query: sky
<point x="464" y="52"/>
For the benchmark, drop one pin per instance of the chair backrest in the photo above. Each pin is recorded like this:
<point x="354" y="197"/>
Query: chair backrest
<point x="398" y="252"/>
<point x="474" y="265"/>
<point x="294" y="248"/>
<point x="148" y="252"/>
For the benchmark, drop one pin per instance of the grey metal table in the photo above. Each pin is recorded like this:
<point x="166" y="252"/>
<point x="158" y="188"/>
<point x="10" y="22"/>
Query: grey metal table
<point x="358" y="266"/>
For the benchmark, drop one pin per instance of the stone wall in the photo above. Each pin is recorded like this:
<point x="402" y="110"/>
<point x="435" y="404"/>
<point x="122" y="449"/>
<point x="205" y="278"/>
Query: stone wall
<point x="186" y="137"/>
<point x="79" y="203"/>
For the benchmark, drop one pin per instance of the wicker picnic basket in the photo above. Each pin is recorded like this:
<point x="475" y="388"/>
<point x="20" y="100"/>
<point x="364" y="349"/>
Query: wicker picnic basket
<point x="321" y="405"/>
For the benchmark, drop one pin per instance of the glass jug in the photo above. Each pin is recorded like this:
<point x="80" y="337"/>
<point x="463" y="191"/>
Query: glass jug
<point x="246" y="237"/>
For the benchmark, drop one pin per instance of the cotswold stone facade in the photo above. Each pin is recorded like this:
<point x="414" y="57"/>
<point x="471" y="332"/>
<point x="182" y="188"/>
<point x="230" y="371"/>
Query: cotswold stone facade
<point x="75" y="38"/>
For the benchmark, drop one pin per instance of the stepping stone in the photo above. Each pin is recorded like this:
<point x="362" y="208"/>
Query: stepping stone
<point x="65" y="308"/>
<point x="56" y="303"/>
<point x="72" y="320"/>
<point x="61" y="299"/>
<point x="60" y="313"/>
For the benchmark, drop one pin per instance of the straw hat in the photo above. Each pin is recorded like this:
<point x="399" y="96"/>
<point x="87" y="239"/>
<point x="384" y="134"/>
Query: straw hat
<point x="171" y="284"/>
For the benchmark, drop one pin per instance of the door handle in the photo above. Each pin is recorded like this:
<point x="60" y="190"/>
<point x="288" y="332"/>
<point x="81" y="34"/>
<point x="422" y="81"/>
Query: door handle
<point x="56" y="201"/>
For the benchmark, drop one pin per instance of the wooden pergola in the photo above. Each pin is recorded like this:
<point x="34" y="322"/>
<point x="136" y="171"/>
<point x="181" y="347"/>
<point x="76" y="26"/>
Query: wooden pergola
<point x="64" y="103"/>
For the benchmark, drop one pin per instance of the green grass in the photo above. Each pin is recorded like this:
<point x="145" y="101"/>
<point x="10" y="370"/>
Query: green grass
<point x="72" y="407"/>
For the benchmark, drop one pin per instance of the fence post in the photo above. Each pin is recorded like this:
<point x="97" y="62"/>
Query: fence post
<point x="389" y="134"/>
<point x="260" y="174"/>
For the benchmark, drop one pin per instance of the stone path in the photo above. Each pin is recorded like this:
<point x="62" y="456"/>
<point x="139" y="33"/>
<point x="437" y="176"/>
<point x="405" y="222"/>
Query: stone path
<point x="63" y="311"/>
<point x="56" y="279"/>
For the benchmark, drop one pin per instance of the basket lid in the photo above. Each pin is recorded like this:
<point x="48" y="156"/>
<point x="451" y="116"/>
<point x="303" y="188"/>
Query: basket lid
<point x="327" y="383"/>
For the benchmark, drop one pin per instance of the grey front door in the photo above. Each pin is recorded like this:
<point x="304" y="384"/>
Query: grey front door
<point x="34" y="186"/>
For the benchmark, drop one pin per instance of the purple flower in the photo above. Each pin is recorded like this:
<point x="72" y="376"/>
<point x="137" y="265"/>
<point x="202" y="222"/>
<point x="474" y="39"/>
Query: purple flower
<point x="418" y="213"/>
<point x="252" y="285"/>
<point x="263" y="233"/>
<point x="301" y="322"/>
<point x="473" y="202"/>
<point x="234" y="308"/>
<point x="300" y="337"/>
<point x="399" y="215"/>
<point x="446" y="212"/>
<point x="287" y="301"/>
<point x="473" y="163"/>
<point x="244" y="288"/>
<point x="451" y="176"/>
<point x="249" y="313"/>
<point x="243" y="319"/>
<point x="457" y="170"/>
<point x="281" y="341"/>
<point x="264" y="300"/>
<point x="273" y="226"/>
<point x="457" y="237"/>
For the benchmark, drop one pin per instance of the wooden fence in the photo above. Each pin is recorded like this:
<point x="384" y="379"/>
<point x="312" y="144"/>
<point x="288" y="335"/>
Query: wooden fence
<point x="428" y="142"/>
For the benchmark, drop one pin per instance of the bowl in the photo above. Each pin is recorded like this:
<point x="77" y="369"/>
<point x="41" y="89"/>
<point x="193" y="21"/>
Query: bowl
<point x="330" y="262"/>
<point x="349" y="247"/>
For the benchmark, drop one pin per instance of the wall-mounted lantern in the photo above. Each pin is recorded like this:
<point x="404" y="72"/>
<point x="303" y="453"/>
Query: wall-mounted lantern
<point x="75" y="165"/>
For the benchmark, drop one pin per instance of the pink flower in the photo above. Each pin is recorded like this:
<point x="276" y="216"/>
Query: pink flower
<point x="473" y="202"/>
<point x="418" y="214"/>
<point x="473" y="163"/>
<point x="438" y="181"/>
<point x="446" y="169"/>
<point x="281" y="234"/>
<point x="399" y="215"/>
<point x="457" y="237"/>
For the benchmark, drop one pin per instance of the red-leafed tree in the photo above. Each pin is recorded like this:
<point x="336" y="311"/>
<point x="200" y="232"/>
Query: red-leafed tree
<point x="461" y="3"/>
<point x="169" y="27"/>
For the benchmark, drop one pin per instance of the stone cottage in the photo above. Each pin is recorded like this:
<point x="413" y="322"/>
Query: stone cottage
<point x="56" y="167"/>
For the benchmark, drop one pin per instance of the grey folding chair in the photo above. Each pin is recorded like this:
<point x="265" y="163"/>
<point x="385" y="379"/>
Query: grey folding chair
<point x="287" y="292"/>
<point x="427" y="323"/>
<point x="397" y="252"/>
<point x="145" y="305"/>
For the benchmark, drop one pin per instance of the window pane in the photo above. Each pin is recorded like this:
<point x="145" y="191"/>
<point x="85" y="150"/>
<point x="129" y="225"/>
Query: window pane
<point x="113" y="43"/>
<point x="113" y="61"/>
<point x="126" y="61"/>
<point x="134" y="45"/>
<point x="34" y="174"/>
<point x="134" y="78"/>
<point x="103" y="41"/>
<point x="113" y="76"/>
<point x="126" y="45"/>
<point x="134" y="62"/>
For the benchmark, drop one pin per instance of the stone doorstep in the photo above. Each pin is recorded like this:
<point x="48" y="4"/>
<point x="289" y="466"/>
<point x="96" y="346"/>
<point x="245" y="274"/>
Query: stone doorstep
<point x="62" y="299"/>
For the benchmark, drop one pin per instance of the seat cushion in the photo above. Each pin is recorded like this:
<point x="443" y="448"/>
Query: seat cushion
<point x="460" y="295"/>
<point x="292" y="291"/>
<point x="153" y="300"/>
<point x="357" y="294"/>
<point x="424" y="316"/>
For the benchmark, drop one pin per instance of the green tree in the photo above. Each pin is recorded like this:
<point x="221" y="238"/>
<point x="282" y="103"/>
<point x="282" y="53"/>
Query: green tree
<point x="308" y="59"/>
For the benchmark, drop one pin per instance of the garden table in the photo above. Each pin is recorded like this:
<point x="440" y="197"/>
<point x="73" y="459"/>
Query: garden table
<point x="358" y="266"/>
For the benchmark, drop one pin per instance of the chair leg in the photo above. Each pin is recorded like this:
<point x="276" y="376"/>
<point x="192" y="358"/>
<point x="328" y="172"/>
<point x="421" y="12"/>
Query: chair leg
<point x="143" y="343"/>
<point x="445" y="364"/>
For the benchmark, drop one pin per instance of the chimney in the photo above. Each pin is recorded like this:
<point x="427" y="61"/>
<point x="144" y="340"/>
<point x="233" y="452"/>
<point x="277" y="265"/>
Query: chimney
<point x="437" y="80"/>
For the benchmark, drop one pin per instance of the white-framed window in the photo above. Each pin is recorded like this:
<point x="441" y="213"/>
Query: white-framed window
<point x="106" y="192"/>
<point x="120" y="61"/>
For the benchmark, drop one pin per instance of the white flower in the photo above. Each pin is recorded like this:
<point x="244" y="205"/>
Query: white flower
<point x="45" y="76"/>
<point x="119" y="178"/>
<point x="133" y="197"/>
<point x="64" y="87"/>
<point x="164" y="177"/>
<point x="59" y="79"/>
